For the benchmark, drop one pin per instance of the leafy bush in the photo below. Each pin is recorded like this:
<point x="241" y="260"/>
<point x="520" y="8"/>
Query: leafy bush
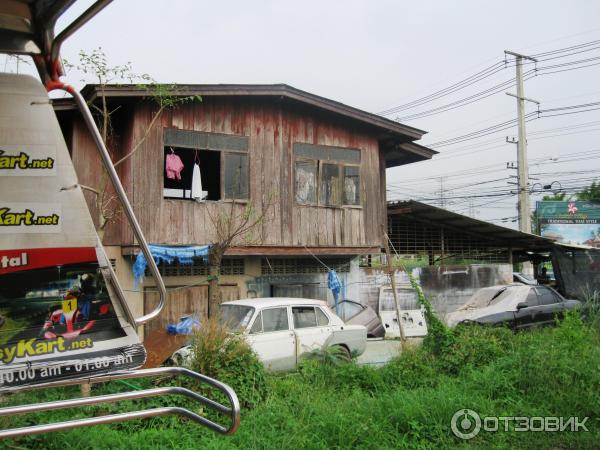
<point x="439" y="336"/>
<point x="228" y="358"/>
<point x="335" y="355"/>
<point x="474" y="346"/>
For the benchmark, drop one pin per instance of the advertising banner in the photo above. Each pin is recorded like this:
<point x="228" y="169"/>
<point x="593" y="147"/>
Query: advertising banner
<point x="576" y="222"/>
<point x="60" y="316"/>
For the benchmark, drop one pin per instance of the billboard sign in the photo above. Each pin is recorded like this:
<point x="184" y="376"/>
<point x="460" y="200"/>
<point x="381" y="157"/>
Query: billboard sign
<point x="60" y="316"/>
<point x="570" y="222"/>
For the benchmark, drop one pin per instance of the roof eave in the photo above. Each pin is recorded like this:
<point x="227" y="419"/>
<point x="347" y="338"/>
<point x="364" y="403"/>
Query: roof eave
<point x="91" y="91"/>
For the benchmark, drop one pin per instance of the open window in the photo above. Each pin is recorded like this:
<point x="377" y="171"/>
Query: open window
<point x="205" y="166"/>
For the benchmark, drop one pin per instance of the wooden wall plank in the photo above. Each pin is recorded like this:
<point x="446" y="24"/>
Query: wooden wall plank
<point x="273" y="128"/>
<point x="181" y="302"/>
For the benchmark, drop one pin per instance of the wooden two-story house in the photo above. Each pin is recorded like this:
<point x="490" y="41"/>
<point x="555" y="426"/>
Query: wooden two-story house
<point x="315" y="166"/>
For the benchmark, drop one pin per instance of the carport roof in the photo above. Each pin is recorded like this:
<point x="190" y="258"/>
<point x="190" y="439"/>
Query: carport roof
<point x="480" y="230"/>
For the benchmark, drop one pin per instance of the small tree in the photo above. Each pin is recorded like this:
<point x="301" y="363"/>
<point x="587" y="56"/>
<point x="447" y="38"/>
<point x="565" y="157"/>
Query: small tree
<point x="592" y="192"/>
<point x="95" y="65"/>
<point x="559" y="197"/>
<point x="231" y="227"/>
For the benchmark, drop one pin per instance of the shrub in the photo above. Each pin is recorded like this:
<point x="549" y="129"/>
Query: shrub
<point x="474" y="346"/>
<point x="228" y="358"/>
<point x="335" y="355"/>
<point x="439" y="336"/>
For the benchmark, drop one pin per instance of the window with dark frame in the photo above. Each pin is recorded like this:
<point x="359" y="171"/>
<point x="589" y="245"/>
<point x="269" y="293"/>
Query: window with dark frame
<point x="327" y="176"/>
<point x="222" y="160"/>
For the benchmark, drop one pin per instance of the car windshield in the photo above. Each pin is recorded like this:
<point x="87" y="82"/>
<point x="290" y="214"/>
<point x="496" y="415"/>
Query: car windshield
<point x="487" y="297"/>
<point x="236" y="317"/>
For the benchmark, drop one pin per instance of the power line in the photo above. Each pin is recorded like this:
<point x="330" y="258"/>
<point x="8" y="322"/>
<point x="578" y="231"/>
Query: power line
<point x="486" y="73"/>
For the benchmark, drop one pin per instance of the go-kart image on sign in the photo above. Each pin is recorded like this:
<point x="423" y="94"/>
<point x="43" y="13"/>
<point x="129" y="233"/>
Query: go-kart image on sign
<point x="56" y="317"/>
<point x="30" y="218"/>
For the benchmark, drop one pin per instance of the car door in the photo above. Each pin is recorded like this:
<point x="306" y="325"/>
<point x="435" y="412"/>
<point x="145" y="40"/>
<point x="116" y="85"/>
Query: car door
<point x="311" y="327"/>
<point x="551" y="305"/>
<point x="411" y="313"/>
<point x="272" y="339"/>
<point x="353" y="313"/>
<point x="527" y="315"/>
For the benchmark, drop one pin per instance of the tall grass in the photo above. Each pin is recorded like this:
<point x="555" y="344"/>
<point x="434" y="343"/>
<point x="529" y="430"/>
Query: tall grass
<point x="406" y="404"/>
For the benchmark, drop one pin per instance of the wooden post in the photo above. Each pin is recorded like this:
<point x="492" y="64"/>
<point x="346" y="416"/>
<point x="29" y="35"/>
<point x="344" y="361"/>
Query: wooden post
<point x="392" y="274"/>
<point x="85" y="389"/>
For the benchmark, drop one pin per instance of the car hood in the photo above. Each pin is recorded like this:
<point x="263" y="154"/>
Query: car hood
<point x="507" y="304"/>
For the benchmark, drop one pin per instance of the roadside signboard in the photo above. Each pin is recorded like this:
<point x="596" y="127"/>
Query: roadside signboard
<point x="576" y="222"/>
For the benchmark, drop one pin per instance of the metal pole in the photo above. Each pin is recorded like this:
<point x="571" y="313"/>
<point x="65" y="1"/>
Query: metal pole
<point x="127" y="209"/>
<point x="232" y="411"/>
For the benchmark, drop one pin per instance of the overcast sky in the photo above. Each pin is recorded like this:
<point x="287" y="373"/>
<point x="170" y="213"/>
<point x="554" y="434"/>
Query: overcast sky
<point x="376" y="55"/>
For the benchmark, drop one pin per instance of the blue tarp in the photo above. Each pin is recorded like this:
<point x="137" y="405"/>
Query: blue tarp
<point x="168" y="254"/>
<point x="186" y="325"/>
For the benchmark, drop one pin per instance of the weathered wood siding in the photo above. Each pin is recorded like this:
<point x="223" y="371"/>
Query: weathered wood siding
<point x="272" y="127"/>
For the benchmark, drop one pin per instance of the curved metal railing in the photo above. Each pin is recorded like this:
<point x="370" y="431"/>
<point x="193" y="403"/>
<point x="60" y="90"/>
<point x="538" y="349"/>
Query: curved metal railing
<point x="232" y="411"/>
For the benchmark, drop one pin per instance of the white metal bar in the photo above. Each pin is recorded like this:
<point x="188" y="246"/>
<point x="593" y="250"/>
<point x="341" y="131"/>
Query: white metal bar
<point x="120" y="191"/>
<point x="233" y="411"/>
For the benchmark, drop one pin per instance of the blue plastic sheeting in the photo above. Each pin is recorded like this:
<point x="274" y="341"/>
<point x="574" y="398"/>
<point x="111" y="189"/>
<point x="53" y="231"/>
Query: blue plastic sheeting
<point x="333" y="283"/>
<point x="168" y="254"/>
<point x="186" y="325"/>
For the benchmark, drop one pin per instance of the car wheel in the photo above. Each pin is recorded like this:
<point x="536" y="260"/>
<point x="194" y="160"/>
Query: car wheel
<point x="343" y="352"/>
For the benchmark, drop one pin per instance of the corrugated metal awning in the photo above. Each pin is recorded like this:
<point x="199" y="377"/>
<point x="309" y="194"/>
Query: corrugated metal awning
<point x="480" y="231"/>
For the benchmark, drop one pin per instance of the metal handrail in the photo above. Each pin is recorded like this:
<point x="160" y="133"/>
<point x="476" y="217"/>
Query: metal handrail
<point x="232" y="411"/>
<point x="120" y="191"/>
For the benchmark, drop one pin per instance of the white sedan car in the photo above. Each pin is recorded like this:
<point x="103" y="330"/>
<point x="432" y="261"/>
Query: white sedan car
<point x="280" y="330"/>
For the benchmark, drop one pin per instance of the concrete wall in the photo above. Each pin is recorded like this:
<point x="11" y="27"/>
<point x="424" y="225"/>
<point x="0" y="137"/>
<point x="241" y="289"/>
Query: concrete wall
<point x="449" y="287"/>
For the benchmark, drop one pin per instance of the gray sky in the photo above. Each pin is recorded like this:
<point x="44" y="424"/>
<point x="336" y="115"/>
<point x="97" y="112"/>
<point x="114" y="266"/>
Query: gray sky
<point x="375" y="55"/>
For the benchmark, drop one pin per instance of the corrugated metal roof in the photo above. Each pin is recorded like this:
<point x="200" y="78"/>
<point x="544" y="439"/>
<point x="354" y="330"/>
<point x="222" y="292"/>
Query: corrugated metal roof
<point x="495" y="235"/>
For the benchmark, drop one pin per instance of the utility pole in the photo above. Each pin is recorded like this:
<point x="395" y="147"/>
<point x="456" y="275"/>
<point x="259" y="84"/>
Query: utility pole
<point x="523" y="171"/>
<point x="392" y="274"/>
<point x="442" y="200"/>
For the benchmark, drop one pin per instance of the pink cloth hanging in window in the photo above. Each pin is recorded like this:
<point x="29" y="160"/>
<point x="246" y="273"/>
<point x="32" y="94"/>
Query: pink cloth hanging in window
<point x="174" y="166"/>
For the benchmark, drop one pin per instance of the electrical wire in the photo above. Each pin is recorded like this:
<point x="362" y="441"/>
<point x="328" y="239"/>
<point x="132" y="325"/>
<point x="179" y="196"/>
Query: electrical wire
<point x="488" y="72"/>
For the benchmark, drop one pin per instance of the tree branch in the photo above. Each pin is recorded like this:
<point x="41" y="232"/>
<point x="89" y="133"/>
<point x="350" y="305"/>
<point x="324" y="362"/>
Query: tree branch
<point x="143" y="138"/>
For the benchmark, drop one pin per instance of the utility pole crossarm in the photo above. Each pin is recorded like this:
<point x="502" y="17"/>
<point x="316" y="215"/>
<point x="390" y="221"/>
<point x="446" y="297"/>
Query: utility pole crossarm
<point x="519" y="55"/>
<point x="523" y="98"/>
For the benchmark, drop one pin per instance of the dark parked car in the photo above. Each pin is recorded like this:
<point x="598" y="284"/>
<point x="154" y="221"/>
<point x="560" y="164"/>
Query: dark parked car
<point x="516" y="305"/>
<point x="354" y="313"/>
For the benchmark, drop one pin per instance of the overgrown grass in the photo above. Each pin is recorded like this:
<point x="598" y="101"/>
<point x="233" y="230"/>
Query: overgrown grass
<point x="228" y="358"/>
<point x="407" y="404"/>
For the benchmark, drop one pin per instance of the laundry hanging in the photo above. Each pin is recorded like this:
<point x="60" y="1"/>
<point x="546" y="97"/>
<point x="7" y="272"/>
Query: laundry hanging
<point x="168" y="254"/>
<point x="173" y="166"/>
<point x="197" y="193"/>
